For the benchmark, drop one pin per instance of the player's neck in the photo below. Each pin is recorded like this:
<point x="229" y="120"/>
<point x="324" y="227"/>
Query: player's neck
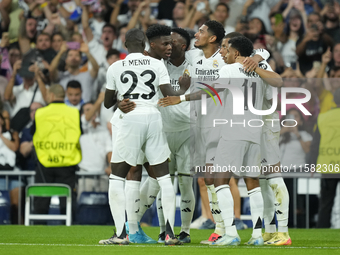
<point x="177" y="62"/>
<point x="210" y="50"/>
<point x="153" y="55"/>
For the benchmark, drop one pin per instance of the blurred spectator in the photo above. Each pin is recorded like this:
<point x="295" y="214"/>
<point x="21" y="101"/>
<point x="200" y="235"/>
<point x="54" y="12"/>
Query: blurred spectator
<point x="96" y="148"/>
<point x="27" y="157"/>
<point x="294" y="141"/>
<point x="73" y="64"/>
<point x="74" y="95"/>
<point x="330" y="14"/>
<point x="123" y="19"/>
<point x="294" y="30"/>
<point x="106" y="114"/>
<point x="98" y="48"/>
<point x="325" y="151"/>
<point x="9" y="54"/>
<point x="32" y="87"/>
<point x="221" y="15"/>
<point x="112" y="56"/>
<point x="27" y="34"/>
<point x="294" y="78"/>
<point x="336" y="55"/>
<point x="325" y="96"/>
<point x="255" y="9"/>
<point x="119" y="43"/>
<point x="9" y="143"/>
<point x="9" y="57"/>
<point x="57" y="41"/>
<point x="310" y="48"/>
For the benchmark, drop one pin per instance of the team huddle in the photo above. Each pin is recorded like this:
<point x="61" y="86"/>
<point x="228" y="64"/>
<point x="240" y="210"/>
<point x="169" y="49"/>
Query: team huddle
<point x="155" y="126"/>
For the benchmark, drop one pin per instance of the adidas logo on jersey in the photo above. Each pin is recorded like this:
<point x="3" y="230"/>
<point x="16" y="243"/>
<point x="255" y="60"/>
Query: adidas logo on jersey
<point x="215" y="211"/>
<point x="279" y="212"/>
<point x="212" y="159"/>
<point x="186" y="210"/>
<point x="152" y="196"/>
<point x="263" y="161"/>
<point x="186" y="201"/>
<point x="137" y="200"/>
<point x="200" y="62"/>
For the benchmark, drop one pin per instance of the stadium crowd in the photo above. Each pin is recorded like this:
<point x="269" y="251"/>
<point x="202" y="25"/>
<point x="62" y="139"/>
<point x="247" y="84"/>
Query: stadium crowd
<point x="73" y="43"/>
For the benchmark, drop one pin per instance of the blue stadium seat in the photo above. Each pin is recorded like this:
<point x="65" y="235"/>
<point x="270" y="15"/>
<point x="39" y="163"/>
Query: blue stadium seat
<point x="93" y="209"/>
<point x="5" y="208"/>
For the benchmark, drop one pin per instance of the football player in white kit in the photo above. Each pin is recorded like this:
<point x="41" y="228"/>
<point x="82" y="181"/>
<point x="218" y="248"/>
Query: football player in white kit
<point x="206" y="63"/>
<point x="139" y="200"/>
<point x="176" y="125"/>
<point x="139" y="78"/>
<point x="236" y="145"/>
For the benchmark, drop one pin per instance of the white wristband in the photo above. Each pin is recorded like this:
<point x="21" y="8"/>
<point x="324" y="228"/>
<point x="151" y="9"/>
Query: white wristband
<point x="182" y="97"/>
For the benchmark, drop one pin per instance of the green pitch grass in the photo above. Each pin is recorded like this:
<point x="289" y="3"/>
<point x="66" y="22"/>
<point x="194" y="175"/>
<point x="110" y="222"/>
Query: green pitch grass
<point x="83" y="240"/>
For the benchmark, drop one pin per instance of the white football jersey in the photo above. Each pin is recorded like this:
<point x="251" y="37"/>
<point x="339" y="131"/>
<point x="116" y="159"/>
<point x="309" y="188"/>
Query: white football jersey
<point x="245" y="127"/>
<point x="207" y="71"/>
<point x="176" y="117"/>
<point x="138" y="78"/>
<point x="274" y="126"/>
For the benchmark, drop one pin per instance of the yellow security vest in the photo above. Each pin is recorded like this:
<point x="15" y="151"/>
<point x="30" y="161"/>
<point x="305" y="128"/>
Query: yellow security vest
<point x="329" y="149"/>
<point x="56" y="137"/>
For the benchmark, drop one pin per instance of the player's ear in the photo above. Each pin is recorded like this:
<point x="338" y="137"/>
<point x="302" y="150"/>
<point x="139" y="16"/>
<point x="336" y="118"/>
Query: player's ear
<point x="212" y="38"/>
<point x="125" y="44"/>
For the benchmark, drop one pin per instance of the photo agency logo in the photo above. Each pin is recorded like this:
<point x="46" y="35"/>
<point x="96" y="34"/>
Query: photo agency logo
<point x="244" y="101"/>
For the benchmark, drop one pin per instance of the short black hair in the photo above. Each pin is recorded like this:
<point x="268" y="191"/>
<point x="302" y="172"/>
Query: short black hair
<point x="183" y="33"/>
<point x="232" y="35"/>
<point x="242" y="45"/>
<point x="135" y="36"/>
<point x="156" y="31"/>
<point x="73" y="84"/>
<point x="223" y="4"/>
<point x="111" y="52"/>
<point x="110" y="26"/>
<point x="57" y="33"/>
<point x="216" y="29"/>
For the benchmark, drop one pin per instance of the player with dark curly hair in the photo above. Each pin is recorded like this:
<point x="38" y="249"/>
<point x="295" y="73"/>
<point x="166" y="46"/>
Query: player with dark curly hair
<point x="159" y="37"/>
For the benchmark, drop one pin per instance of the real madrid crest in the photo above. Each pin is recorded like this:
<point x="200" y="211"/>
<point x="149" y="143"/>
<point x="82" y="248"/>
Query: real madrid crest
<point x="215" y="64"/>
<point x="187" y="72"/>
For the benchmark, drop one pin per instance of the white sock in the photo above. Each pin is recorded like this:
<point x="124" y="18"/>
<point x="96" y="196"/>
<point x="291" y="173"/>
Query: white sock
<point x="148" y="193"/>
<point x="256" y="209"/>
<point x="132" y="195"/>
<point x="268" y="206"/>
<point x="187" y="202"/>
<point x="215" y="210"/>
<point x="226" y="204"/>
<point x="168" y="203"/>
<point x="281" y="202"/>
<point x="117" y="202"/>
<point x="160" y="214"/>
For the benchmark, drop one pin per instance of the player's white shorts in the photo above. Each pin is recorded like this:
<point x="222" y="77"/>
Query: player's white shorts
<point x="270" y="151"/>
<point x="241" y="157"/>
<point x="179" y="145"/>
<point x="206" y="142"/>
<point x="141" y="158"/>
<point x="139" y="130"/>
